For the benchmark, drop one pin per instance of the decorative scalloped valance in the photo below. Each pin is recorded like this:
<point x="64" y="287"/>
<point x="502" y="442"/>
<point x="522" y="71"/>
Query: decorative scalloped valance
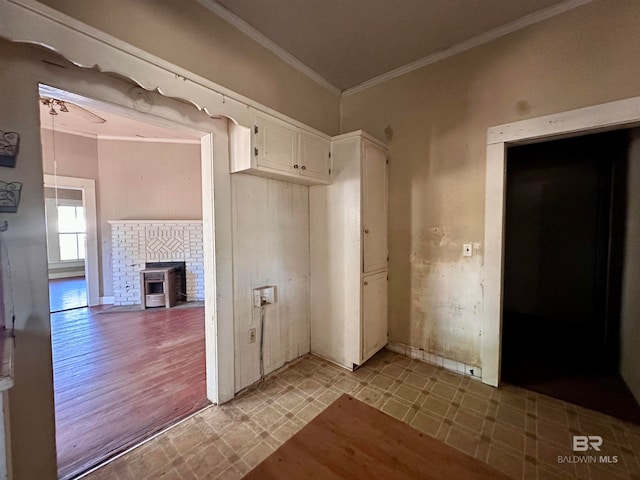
<point x="28" y="21"/>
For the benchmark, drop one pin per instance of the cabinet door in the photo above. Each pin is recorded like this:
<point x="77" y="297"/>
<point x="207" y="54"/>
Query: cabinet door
<point x="374" y="205"/>
<point x="374" y="314"/>
<point x="314" y="156"/>
<point x="277" y="145"/>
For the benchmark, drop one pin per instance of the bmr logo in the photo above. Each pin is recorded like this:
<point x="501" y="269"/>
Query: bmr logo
<point x="582" y="443"/>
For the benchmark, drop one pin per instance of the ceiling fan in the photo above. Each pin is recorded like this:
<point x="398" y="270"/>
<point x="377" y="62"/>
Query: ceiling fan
<point x="56" y="106"/>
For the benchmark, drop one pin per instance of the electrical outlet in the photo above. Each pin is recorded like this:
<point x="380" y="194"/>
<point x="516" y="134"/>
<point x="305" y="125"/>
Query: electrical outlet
<point x="467" y="250"/>
<point x="252" y="335"/>
<point x="264" y="296"/>
<point x="268" y="295"/>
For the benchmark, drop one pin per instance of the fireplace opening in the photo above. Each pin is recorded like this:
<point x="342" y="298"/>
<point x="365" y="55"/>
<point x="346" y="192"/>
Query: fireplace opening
<point x="180" y="276"/>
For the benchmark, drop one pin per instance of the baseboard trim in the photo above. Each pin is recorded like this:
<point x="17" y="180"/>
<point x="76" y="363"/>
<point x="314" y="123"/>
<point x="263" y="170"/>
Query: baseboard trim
<point x="472" y="371"/>
<point x="71" y="274"/>
<point x="330" y="360"/>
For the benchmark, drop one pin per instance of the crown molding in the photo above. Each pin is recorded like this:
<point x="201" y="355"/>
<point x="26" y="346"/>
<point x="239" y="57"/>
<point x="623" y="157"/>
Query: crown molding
<point x="476" y="41"/>
<point x="126" y="138"/>
<point x="32" y="22"/>
<point x="188" y="141"/>
<point x="68" y="131"/>
<point x="278" y="51"/>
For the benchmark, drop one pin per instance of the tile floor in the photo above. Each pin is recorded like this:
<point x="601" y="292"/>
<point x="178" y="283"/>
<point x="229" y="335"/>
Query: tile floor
<point x="517" y="431"/>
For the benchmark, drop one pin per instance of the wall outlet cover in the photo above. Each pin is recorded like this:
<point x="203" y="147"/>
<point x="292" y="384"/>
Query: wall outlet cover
<point x="268" y="295"/>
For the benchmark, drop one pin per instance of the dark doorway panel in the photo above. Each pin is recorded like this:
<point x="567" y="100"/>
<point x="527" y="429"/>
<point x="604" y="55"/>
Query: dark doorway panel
<point x="564" y="235"/>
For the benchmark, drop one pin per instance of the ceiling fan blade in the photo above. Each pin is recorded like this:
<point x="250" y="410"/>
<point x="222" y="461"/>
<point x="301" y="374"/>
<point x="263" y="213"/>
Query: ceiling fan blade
<point x="54" y="106"/>
<point x="84" y="113"/>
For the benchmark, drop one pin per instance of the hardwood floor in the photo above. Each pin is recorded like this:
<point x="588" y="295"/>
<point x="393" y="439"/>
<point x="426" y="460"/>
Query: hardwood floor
<point x="350" y="440"/>
<point x="67" y="293"/>
<point x="120" y="377"/>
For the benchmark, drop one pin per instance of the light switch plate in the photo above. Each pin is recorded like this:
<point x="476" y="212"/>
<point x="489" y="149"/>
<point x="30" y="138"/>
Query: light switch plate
<point x="467" y="250"/>
<point x="257" y="301"/>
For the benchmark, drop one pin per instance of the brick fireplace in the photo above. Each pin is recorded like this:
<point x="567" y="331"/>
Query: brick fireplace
<point x="137" y="243"/>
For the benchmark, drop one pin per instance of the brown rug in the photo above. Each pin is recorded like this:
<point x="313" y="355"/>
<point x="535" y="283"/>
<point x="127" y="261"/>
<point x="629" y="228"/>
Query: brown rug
<point x="351" y="440"/>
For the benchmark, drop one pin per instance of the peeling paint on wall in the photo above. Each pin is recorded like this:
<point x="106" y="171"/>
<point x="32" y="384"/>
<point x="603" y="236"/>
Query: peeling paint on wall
<point x="446" y="299"/>
<point x="440" y="115"/>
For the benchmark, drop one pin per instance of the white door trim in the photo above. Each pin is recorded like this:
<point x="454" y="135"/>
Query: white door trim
<point x="606" y="116"/>
<point x="89" y="88"/>
<point x="88" y="188"/>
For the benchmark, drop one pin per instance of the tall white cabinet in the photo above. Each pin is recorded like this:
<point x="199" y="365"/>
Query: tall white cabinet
<point x="348" y="253"/>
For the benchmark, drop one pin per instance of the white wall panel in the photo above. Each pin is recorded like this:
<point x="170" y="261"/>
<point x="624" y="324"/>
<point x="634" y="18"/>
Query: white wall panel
<point x="270" y="247"/>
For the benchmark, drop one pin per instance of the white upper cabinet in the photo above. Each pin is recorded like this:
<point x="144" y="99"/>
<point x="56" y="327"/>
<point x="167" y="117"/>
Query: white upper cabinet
<point x="278" y="149"/>
<point x="314" y="156"/>
<point x="276" y="145"/>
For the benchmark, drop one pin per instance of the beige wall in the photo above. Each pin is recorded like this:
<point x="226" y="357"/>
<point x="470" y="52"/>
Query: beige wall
<point x="75" y="155"/>
<point x="31" y="398"/>
<point x="439" y="116"/>
<point x="134" y="180"/>
<point x="189" y="35"/>
<point x="148" y="181"/>
<point x="630" y="315"/>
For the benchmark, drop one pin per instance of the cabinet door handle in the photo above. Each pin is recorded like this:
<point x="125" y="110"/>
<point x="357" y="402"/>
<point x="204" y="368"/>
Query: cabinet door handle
<point x="366" y="283"/>
<point x="295" y="166"/>
<point x="366" y="231"/>
<point x="303" y="167"/>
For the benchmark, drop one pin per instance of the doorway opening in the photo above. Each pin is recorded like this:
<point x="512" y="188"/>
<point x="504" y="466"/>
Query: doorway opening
<point x="66" y="229"/>
<point x="564" y="261"/>
<point x="66" y="240"/>
<point x="123" y="370"/>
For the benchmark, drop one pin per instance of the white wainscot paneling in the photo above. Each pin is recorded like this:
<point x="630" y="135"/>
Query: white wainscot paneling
<point x="270" y="247"/>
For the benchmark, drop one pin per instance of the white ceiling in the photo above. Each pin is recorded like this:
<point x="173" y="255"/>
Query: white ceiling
<point x="83" y="121"/>
<point x="348" y="42"/>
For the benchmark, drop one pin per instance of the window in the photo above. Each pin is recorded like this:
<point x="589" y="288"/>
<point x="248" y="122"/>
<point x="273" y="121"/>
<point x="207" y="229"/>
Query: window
<point x="71" y="232"/>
